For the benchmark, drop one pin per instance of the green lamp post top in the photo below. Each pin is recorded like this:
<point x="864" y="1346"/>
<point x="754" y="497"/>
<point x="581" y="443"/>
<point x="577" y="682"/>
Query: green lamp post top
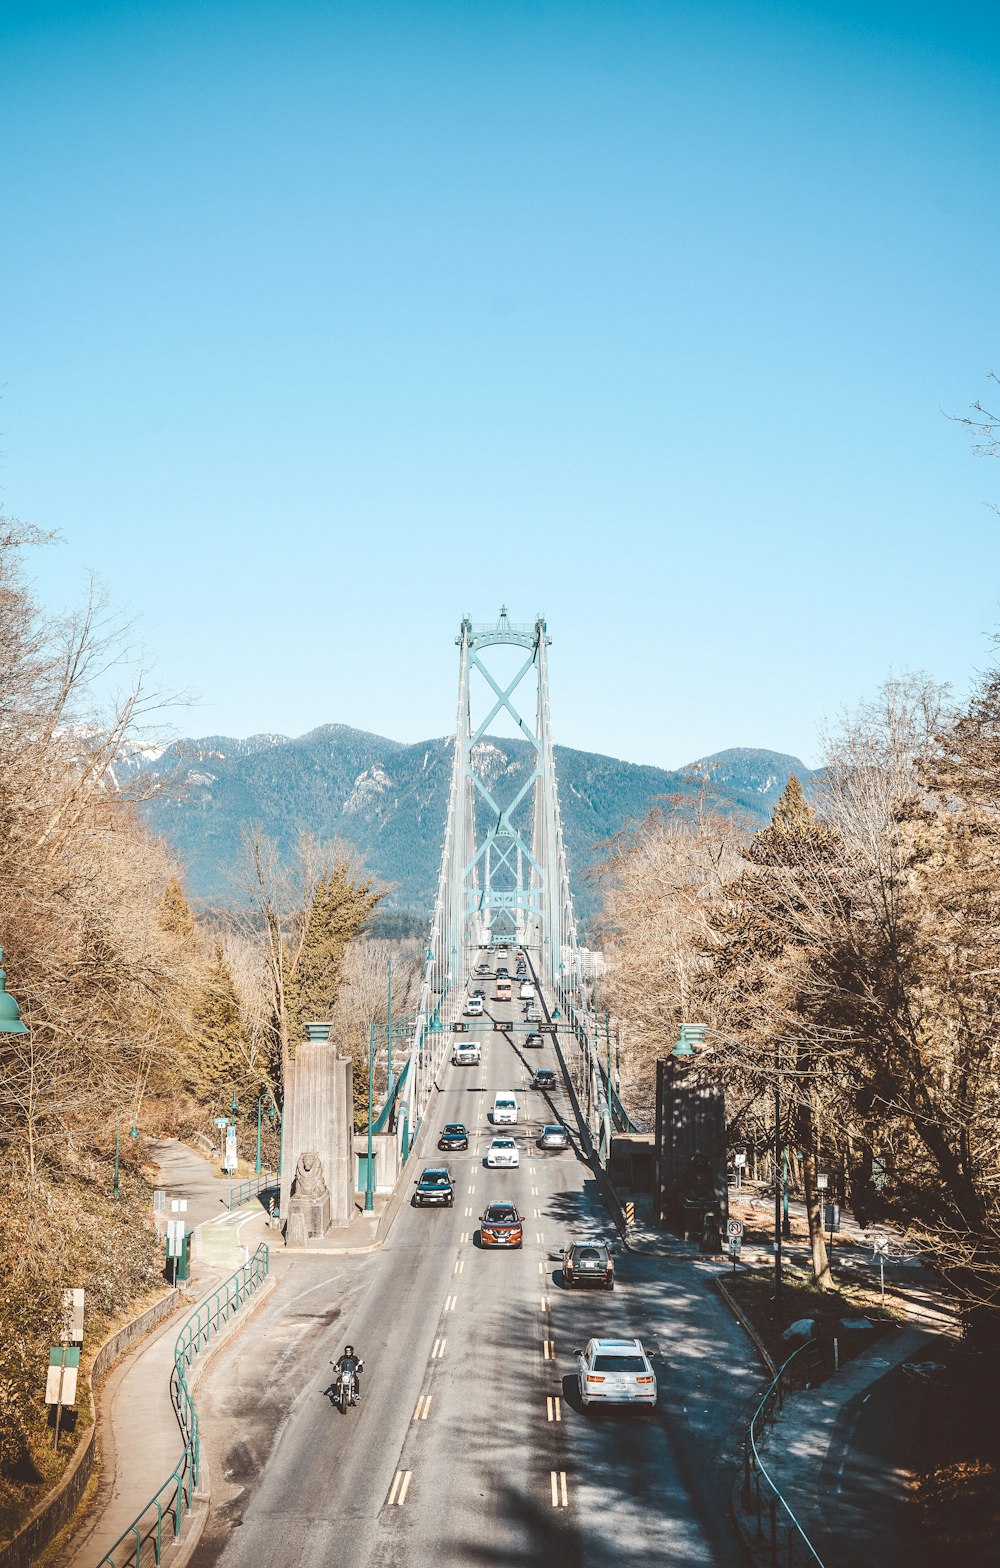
<point x="10" y="1013"/>
<point x="691" y="1035"/>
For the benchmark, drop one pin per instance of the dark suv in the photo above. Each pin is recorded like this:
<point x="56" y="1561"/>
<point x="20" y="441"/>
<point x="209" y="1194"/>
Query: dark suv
<point x="588" y="1263"/>
<point x="434" y="1185"/>
<point x="544" y="1078"/>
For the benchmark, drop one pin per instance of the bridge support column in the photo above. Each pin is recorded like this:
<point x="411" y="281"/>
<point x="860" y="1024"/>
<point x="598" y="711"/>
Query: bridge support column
<point x="319" y="1121"/>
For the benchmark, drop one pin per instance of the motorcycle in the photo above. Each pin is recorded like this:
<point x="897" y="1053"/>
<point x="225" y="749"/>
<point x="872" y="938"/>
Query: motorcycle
<point x="345" y="1390"/>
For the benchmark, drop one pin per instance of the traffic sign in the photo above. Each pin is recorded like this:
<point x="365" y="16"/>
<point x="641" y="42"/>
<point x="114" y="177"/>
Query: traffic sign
<point x="500" y="1028"/>
<point x="548" y="1028"/>
<point x="734" y="1228"/>
<point x="72" y="1328"/>
<point x="222" y="1121"/>
<point x="880" y="1243"/>
<point x="459" y="1028"/>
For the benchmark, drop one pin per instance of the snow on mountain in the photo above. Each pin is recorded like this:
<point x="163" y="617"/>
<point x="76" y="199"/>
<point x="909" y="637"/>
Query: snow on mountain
<point x="367" y="790"/>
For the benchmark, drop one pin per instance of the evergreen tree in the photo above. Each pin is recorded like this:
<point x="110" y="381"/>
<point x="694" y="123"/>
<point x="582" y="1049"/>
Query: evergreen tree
<point x="340" y="906"/>
<point x="174" y="914"/>
<point x="220" y="1049"/>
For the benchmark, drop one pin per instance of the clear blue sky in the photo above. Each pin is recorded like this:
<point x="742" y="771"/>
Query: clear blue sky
<point x="324" y="324"/>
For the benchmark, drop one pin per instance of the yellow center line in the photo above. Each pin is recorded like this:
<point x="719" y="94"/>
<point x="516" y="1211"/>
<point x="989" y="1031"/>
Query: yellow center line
<point x="460" y="1266"/>
<point x="394" y="1488"/>
<point x="554" y="1481"/>
<point x="408" y="1477"/>
<point x="549" y="1349"/>
<point x="562" y="1487"/>
<point x="546" y="1304"/>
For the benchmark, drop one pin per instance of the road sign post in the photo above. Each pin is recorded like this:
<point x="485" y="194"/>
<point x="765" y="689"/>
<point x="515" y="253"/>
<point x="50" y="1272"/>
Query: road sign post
<point x="734" y="1231"/>
<point x="880" y="1246"/>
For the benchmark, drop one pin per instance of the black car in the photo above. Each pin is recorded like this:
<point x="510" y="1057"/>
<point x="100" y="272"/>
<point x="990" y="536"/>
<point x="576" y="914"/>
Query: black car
<point x="434" y="1185"/>
<point x="532" y="1042"/>
<point x="588" y="1263"/>
<point x="502" y="974"/>
<point x="454" y="1135"/>
<point x="544" y="1078"/>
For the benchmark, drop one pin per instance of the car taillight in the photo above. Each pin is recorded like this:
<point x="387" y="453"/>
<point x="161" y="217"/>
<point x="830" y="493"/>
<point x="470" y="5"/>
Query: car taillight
<point x="644" y="1379"/>
<point x="592" y="1377"/>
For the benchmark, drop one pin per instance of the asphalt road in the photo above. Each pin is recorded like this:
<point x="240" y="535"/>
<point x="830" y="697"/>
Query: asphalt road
<point x="470" y="1446"/>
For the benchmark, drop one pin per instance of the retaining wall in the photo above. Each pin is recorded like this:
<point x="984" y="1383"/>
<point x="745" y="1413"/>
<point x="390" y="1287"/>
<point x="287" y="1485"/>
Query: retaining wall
<point x="56" y="1510"/>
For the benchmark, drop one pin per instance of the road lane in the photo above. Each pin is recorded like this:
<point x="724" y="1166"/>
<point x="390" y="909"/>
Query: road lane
<point x="456" y="1456"/>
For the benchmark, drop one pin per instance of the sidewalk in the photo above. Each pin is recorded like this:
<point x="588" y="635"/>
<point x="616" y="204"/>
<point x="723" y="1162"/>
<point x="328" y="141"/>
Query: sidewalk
<point x="137" y="1428"/>
<point x="840" y="1454"/>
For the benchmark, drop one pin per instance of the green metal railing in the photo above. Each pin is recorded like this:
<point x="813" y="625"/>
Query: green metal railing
<point x="785" y="1540"/>
<point x="241" y="1191"/>
<point x="143" y="1541"/>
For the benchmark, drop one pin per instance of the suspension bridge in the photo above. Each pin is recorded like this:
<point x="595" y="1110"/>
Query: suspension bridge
<point x="504" y="878"/>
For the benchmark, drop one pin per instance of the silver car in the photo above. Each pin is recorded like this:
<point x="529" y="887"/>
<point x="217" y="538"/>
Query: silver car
<point x="615" y="1372"/>
<point x="553" y="1136"/>
<point x="502" y="1152"/>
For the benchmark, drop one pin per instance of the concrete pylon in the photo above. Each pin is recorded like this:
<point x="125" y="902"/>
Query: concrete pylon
<point x="319" y="1119"/>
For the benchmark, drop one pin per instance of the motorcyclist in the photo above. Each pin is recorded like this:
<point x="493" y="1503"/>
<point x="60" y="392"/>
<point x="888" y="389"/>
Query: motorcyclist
<point x="350" y="1361"/>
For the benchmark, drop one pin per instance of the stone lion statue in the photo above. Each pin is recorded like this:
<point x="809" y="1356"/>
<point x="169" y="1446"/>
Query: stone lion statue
<point x="309" y="1179"/>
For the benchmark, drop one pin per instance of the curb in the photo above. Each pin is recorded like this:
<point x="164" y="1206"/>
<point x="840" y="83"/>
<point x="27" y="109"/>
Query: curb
<point x="329" y="1252"/>
<point x="741" y="1317"/>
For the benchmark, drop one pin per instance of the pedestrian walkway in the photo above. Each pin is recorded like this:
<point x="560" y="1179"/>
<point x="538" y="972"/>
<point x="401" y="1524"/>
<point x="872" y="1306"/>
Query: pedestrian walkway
<point x="840" y="1453"/>
<point x="137" y="1427"/>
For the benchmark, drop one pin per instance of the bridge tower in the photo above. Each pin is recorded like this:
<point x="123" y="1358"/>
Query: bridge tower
<point x="505" y="866"/>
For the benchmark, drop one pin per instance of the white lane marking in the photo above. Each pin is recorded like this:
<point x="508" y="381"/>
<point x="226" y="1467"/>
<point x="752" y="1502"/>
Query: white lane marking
<point x="562" y="1487"/>
<point x="465" y="1235"/>
<point x="460" y="1266"/>
<point x="549" y="1349"/>
<point x="538" y="1235"/>
<point x="472" y="1188"/>
<point x="468" y="1214"/>
<point x="534" y="1192"/>
<point x="449" y="1305"/>
<point x="536" y="1214"/>
<point x="553" y="1407"/>
<point x="546" y="1304"/>
<point x="438" y="1351"/>
<point x="541" y="1266"/>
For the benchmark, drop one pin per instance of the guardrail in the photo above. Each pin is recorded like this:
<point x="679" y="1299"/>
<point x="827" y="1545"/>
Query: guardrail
<point x="143" y="1541"/>
<point x="796" y="1545"/>
<point x="240" y="1191"/>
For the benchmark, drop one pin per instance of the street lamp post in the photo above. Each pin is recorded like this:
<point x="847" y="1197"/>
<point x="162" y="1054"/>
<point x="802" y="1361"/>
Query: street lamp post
<point x="369" y="1183"/>
<point x="388" y="1038"/>
<point x="10" y="1013"/>
<point x="272" y="1112"/>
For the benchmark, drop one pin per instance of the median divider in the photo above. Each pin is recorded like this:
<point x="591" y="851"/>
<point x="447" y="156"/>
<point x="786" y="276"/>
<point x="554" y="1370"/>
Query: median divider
<point x="159" y="1523"/>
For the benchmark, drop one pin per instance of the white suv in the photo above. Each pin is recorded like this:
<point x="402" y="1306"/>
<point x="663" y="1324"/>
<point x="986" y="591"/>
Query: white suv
<point x="615" y="1372"/>
<point x="473" y="1007"/>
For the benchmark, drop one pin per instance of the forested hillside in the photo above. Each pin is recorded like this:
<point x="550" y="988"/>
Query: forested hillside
<point x="389" y="800"/>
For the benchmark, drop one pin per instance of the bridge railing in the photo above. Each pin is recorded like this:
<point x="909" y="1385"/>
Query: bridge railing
<point x="144" y="1541"/>
<point x="241" y="1191"/>
<point x="784" y="1538"/>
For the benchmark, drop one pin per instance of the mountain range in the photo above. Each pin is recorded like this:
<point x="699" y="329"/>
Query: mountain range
<point x="389" y="800"/>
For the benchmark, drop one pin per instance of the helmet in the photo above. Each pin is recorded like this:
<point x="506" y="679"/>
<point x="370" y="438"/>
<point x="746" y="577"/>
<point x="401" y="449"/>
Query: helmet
<point x="348" y="1350"/>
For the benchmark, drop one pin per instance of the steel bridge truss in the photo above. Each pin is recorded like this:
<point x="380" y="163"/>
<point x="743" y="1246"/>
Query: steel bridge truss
<point x="503" y="874"/>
